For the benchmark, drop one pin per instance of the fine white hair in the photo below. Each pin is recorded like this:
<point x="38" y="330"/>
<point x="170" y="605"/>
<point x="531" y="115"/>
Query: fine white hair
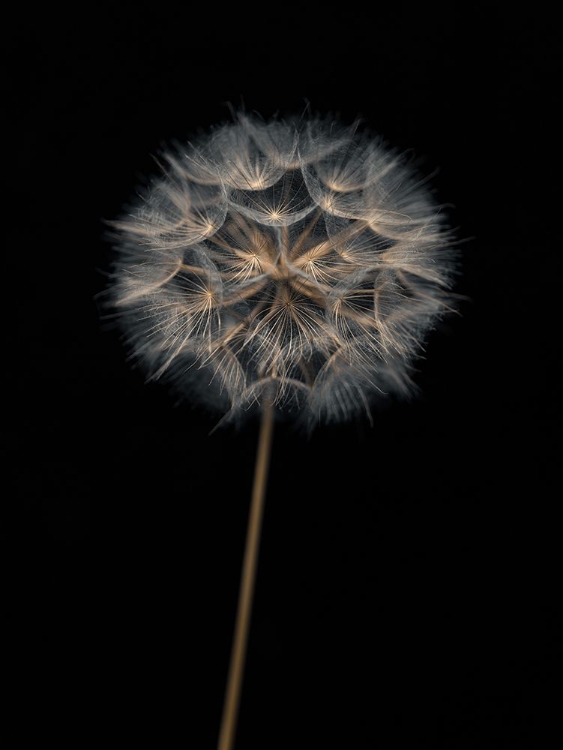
<point x="298" y="261"/>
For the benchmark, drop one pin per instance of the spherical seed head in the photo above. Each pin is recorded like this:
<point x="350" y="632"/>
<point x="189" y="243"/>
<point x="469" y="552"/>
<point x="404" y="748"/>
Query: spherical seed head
<point x="299" y="262"/>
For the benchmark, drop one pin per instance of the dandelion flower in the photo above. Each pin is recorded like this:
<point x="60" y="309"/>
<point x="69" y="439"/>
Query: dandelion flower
<point x="304" y="263"/>
<point x="285" y="265"/>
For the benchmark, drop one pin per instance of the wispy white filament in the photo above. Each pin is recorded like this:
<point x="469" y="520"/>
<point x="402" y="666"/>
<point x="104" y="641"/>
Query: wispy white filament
<point x="303" y="262"/>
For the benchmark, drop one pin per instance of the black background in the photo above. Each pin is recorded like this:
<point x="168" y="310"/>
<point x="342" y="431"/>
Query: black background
<point x="407" y="593"/>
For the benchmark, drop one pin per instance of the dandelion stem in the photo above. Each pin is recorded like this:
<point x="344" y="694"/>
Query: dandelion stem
<point x="248" y="576"/>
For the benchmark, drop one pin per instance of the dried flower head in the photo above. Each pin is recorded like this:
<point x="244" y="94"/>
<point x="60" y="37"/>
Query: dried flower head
<point x="302" y="262"/>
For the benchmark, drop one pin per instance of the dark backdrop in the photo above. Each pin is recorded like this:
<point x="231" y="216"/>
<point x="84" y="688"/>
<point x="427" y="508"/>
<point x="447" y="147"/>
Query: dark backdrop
<point x="407" y="594"/>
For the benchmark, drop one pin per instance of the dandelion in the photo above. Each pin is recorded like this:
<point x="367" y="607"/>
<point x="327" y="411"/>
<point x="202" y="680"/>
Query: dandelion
<point x="302" y="264"/>
<point x="285" y="266"/>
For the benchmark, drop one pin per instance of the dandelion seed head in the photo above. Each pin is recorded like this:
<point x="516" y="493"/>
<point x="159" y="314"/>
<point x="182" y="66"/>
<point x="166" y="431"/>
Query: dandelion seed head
<point x="303" y="262"/>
